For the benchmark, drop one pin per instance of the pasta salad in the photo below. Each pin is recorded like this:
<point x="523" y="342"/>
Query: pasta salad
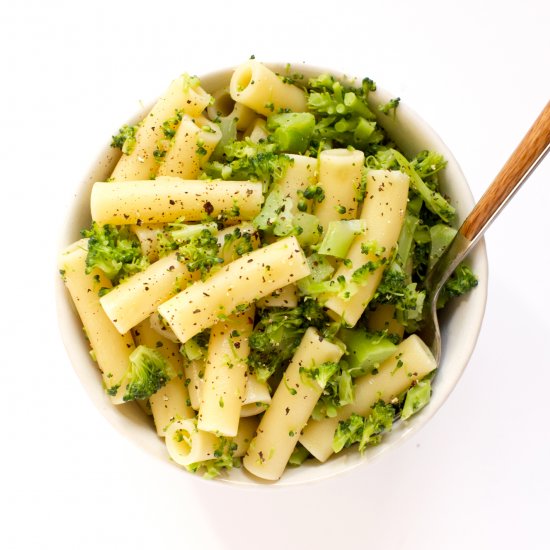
<point x="253" y="274"/>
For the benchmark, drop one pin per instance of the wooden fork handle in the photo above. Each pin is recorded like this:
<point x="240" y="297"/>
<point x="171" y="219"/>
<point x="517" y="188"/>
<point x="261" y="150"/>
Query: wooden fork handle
<point x="524" y="159"/>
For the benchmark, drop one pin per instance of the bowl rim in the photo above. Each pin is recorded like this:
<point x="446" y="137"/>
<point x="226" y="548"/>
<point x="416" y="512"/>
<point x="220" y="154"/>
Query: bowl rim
<point x="131" y="424"/>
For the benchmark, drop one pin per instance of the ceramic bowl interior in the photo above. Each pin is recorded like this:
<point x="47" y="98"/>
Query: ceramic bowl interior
<point x="460" y="323"/>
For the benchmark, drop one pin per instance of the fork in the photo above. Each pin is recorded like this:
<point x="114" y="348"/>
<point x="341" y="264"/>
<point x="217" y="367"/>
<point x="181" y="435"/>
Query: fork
<point x="521" y="164"/>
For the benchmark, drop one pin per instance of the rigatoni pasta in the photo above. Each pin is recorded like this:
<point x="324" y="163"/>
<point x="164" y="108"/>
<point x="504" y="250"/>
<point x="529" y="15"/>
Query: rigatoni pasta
<point x="259" y="88"/>
<point x="166" y="199"/>
<point x="340" y="173"/>
<point x="225" y="374"/>
<point x="138" y="160"/>
<point x="111" y="349"/>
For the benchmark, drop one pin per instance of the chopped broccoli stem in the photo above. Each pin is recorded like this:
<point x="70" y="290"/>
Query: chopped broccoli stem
<point x="291" y="131"/>
<point x="298" y="456"/>
<point x="365" y="350"/>
<point x="339" y="236"/>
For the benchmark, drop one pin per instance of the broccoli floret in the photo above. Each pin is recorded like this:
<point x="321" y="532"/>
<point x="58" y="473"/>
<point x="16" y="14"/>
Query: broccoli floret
<point x="197" y="346"/>
<point x="321" y="373"/>
<point x="237" y="243"/>
<point x="364" y="430"/>
<point x="276" y="215"/>
<point x="116" y="251"/>
<point x="148" y="372"/>
<point x="125" y="140"/>
<point x="228" y="128"/>
<point x="200" y="252"/>
<point x="390" y="106"/>
<point x="342" y="114"/>
<point x="196" y="245"/>
<point x="427" y="164"/>
<point x="338" y="390"/>
<point x="277" y="334"/>
<point x="396" y="289"/>
<point x="246" y="160"/>
<point x="460" y="282"/>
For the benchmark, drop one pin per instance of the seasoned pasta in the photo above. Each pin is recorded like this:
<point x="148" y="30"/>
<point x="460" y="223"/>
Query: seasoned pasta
<point x="253" y="274"/>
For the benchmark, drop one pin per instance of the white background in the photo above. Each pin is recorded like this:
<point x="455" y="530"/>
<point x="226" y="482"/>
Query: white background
<point x="477" y="476"/>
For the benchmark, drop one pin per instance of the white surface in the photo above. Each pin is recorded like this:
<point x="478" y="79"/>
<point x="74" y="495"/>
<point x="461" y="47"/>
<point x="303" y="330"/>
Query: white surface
<point x="475" y="477"/>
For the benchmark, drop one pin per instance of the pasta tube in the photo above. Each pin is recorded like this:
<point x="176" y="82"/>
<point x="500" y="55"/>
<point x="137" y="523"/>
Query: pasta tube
<point x="225" y="374"/>
<point x="194" y="142"/>
<point x="235" y="285"/>
<point x="259" y="88"/>
<point x="111" y="349"/>
<point x="282" y="297"/>
<point x="256" y="390"/>
<point x="340" y="178"/>
<point x="298" y="176"/>
<point x="291" y="406"/>
<point x="257" y="131"/>
<point x="166" y="199"/>
<point x="186" y="444"/>
<point x="194" y="373"/>
<point x="171" y="402"/>
<point x="247" y="429"/>
<point x="184" y="94"/>
<point x="224" y="106"/>
<point x="383" y="318"/>
<point x="411" y="362"/>
<point x="384" y="211"/>
<point x="256" y="398"/>
<point x="138" y="297"/>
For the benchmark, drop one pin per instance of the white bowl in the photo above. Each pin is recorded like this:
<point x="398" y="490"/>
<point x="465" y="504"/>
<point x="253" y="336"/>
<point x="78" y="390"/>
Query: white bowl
<point x="460" y="322"/>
